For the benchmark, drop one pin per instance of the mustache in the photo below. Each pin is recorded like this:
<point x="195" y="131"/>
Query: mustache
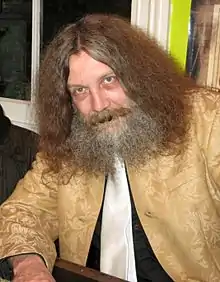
<point x="96" y="118"/>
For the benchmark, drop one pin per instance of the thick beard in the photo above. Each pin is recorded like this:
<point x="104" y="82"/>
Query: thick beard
<point x="133" y="137"/>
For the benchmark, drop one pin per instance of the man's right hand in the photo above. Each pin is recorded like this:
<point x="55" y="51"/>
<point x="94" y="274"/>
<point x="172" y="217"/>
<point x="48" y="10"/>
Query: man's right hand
<point x="30" y="268"/>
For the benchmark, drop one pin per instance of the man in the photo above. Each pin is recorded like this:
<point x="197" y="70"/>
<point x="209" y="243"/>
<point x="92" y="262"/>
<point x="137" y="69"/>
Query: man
<point x="18" y="148"/>
<point x="128" y="171"/>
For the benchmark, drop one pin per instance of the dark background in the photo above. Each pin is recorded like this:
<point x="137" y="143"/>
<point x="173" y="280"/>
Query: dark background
<point x="57" y="13"/>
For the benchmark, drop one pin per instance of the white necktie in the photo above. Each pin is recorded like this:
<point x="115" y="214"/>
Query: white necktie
<point x="117" y="249"/>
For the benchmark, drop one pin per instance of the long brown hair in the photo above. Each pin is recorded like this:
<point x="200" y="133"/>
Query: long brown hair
<point x="150" y="77"/>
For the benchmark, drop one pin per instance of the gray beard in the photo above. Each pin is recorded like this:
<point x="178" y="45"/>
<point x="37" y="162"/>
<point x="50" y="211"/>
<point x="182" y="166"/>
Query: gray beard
<point x="136" y="139"/>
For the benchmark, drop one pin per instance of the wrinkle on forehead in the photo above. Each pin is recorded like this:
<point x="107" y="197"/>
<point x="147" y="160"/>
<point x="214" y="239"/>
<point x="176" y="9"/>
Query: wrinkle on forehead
<point x="84" y="69"/>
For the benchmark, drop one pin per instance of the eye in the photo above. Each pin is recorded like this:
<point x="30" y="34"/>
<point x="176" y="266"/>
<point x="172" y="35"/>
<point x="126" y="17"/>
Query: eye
<point x="109" y="79"/>
<point x="79" y="90"/>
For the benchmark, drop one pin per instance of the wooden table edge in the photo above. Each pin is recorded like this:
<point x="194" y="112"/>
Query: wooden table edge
<point x="85" y="271"/>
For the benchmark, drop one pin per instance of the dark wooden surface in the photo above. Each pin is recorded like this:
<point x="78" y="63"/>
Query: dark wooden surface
<point x="68" y="272"/>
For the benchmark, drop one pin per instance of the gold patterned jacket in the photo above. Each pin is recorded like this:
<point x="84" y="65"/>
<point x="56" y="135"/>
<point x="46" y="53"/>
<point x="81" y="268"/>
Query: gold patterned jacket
<point x="177" y="199"/>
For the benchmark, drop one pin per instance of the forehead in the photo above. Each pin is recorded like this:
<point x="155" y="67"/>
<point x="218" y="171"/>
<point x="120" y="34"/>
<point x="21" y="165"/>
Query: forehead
<point x="83" y="68"/>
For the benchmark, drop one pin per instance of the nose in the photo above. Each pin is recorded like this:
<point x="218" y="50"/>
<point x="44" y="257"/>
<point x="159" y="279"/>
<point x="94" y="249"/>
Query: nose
<point x="99" y="100"/>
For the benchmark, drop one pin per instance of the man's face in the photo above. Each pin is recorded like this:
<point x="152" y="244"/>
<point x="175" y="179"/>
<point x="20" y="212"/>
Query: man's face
<point x="109" y="123"/>
<point x="96" y="91"/>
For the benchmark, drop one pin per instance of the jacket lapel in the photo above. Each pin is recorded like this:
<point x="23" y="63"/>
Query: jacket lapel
<point x="82" y="199"/>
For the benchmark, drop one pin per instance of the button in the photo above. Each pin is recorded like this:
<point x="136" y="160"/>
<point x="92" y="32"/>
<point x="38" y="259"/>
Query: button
<point x="149" y="214"/>
<point x="137" y="227"/>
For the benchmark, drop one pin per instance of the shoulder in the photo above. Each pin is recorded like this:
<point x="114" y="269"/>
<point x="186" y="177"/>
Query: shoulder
<point x="205" y="114"/>
<point x="23" y="142"/>
<point x="204" y="101"/>
<point x="23" y="134"/>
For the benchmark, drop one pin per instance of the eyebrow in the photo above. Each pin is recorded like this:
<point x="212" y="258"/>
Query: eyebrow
<point x="75" y="86"/>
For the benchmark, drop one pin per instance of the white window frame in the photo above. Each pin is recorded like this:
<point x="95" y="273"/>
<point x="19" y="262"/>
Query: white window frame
<point x="21" y="112"/>
<point x="151" y="15"/>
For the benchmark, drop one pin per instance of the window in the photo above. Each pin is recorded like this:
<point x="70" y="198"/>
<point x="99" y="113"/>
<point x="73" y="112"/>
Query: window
<point x="203" y="58"/>
<point x="15" y="49"/>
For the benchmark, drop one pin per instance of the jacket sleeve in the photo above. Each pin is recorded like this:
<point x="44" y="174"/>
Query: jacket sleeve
<point x="28" y="219"/>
